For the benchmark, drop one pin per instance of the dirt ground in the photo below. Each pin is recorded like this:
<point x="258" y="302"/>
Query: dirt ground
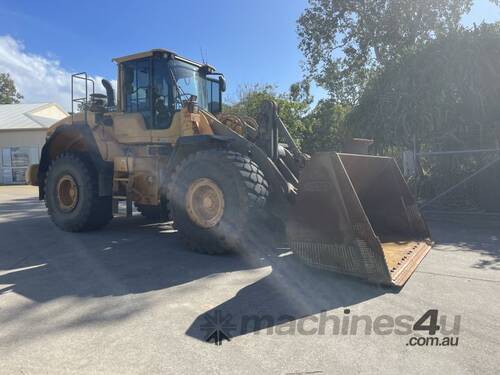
<point x="132" y="299"/>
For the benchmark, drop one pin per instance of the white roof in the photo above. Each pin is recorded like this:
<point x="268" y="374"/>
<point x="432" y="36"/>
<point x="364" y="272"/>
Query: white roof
<point x="30" y="116"/>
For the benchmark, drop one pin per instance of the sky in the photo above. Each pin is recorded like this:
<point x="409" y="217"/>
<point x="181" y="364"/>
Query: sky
<point x="43" y="42"/>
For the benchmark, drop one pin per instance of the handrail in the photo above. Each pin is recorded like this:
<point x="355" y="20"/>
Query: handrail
<point x="83" y="100"/>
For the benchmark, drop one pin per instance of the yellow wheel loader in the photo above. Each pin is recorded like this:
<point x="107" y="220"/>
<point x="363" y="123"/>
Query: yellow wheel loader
<point x="225" y="181"/>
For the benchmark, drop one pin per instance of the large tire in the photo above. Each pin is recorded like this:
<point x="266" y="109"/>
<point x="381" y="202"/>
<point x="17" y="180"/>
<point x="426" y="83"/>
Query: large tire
<point x="244" y="190"/>
<point x="67" y="174"/>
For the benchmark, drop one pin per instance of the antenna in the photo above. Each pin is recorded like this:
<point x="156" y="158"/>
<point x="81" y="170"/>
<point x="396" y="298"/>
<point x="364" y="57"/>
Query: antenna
<point x="203" y="58"/>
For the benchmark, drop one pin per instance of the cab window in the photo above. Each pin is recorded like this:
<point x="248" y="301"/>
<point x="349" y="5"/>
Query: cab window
<point x="136" y="88"/>
<point x="163" y="103"/>
<point x="214" y="96"/>
<point x="147" y="90"/>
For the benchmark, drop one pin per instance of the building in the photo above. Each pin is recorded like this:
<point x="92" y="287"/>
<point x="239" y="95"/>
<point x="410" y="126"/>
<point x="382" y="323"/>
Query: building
<point x="22" y="135"/>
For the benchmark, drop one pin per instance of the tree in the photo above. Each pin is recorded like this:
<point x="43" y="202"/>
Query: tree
<point x="346" y="41"/>
<point x="324" y="124"/>
<point x="8" y="91"/>
<point x="292" y="106"/>
<point x="318" y="129"/>
<point x="444" y="97"/>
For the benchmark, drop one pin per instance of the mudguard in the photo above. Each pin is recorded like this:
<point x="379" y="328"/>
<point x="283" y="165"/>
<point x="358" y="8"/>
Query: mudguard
<point x="103" y="168"/>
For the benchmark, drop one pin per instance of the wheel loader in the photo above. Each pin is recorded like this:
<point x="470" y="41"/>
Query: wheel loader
<point x="225" y="181"/>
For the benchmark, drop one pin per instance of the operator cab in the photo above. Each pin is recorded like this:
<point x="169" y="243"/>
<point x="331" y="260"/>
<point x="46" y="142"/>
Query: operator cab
<point x="158" y="83"/>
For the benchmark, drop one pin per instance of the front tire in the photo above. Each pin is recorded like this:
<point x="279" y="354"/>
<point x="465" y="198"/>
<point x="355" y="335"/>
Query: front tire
<point x="217" y="200"/>
<point x="72" y="196"/>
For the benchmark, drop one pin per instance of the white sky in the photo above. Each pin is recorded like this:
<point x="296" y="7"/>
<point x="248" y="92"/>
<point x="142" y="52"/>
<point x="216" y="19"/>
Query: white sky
<point x="37" y="78"/>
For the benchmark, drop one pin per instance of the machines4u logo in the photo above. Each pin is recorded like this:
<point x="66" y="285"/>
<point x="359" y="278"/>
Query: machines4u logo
<point x="219" y="326"/>
<point x="429" y="323"/>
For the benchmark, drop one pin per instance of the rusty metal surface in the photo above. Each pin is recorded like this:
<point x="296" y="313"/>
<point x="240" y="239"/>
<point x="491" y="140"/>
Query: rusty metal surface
<point x="385" y="197"/>
<point x="354" y="214"/>
<point x="404" y="261"/>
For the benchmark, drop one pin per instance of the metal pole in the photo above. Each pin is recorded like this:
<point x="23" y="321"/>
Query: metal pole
<point x="86" y="96"/>
<point x="436" y="153"/>
<point x="72" y="101"/>
<point x="415" y="152"/>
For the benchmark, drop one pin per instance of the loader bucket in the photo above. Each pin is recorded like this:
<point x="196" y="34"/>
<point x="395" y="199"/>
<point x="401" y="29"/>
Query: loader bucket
<point x="354" y="214"/>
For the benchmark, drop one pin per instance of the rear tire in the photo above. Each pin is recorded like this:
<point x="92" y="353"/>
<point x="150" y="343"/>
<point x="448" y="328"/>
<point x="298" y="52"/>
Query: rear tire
<point x="217" y="200"/>
<point x="72" y="196"/>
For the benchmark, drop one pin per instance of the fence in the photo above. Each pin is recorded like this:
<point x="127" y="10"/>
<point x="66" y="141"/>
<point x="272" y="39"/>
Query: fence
<point x="470" y="179"/>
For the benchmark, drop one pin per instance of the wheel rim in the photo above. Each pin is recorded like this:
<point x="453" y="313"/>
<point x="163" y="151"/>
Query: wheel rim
<point x="67" y="193"/>
<point x="205" y="202"/>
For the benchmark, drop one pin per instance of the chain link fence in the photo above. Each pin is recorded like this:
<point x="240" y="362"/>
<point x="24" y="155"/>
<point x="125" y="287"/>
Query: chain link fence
<point x="461" y="181"/>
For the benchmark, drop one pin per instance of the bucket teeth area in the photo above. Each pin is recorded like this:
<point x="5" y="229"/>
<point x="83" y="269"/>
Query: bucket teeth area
<point x="402" y="258"/>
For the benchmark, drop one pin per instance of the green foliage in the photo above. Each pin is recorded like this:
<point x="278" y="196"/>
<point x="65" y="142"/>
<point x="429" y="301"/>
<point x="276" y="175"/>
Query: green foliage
<point x="318" y="129"/>
<point x="8" y="92"/>
<point x="324" y="127"/>
<point x="293" y="105"/>
<point x="344" y="41"/>
<point x="445" y="96"/>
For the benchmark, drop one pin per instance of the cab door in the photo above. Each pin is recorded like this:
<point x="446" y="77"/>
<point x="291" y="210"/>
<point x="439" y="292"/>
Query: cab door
<point x="134" y="123"/>
<point x="165" y="113"/>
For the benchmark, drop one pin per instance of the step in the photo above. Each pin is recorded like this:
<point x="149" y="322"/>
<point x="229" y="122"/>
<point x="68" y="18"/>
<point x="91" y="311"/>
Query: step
<point x="121" y="197"/>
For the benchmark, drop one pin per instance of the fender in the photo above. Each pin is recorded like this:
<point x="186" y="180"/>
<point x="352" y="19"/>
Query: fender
<point x="187" y="145"/>
<point x="229" y="140"/>
<point x="82" y="140"/>
<point x="258" y="155"/>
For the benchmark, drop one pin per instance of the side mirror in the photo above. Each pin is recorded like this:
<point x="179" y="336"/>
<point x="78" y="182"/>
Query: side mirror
<point x="222" y="83"/>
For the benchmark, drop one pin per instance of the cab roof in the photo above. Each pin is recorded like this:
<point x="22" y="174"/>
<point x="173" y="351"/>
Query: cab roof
<point x="160" y="52"/>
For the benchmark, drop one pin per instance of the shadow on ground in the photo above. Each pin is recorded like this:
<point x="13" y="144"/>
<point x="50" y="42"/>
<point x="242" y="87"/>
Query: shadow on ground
<point x="471" y="233"/>
<point x="129" y="256"/>
<point x="134" y="256"/>
<point x="291" y="292"/>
